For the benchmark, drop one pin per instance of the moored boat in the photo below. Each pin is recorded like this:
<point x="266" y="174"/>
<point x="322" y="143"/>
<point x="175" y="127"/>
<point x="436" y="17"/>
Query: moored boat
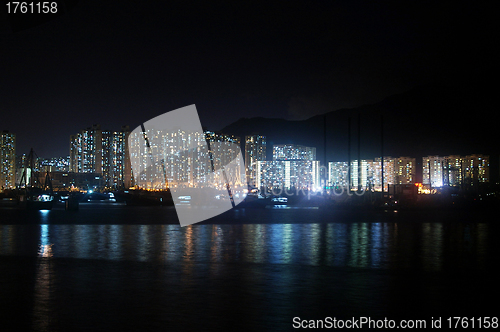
<point x="35" y="195"/>
<point x="148" y="198"/>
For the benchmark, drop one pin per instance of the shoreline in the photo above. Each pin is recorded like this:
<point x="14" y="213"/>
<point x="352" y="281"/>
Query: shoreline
<point x="120" y="214"/>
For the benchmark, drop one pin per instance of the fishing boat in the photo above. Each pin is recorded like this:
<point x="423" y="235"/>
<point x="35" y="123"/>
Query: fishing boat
<point x="148" y="198"/>
<point x="34" y="193"/>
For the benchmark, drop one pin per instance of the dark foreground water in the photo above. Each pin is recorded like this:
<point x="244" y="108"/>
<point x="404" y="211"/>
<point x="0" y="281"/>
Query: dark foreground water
<point x="110" y="267"/>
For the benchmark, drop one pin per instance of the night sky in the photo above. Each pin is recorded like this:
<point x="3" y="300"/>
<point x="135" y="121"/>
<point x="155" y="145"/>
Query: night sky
<point x="118" y="63"/>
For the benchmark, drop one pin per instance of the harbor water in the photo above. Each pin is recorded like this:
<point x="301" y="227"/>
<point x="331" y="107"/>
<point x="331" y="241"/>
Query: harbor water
<point x="112" y="267"/>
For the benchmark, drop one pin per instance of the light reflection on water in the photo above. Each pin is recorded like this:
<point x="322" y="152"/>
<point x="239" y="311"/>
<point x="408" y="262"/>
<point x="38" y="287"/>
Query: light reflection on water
<point x="429" y="246"/>
<point x="148" y="277"/>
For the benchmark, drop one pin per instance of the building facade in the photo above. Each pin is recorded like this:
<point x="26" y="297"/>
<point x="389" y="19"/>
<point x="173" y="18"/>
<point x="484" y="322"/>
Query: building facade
<point x="432" y="170"/>
<point x="7" y="160"/>
<point x="338" y="174"/>
<point x="293" y="168"/>
<point x="288" y="174"/>
<point x="54" y="164"/>
<point x="94" y="150"/>
<point x="367" y="174"/>
<point x="293" y="152"/>
<point x="405" y="168"/>
<point x="477" y="169"/>
<point x="255" y="150"/>
<point x="185" y="159"/>
<point x="455" y="170"/>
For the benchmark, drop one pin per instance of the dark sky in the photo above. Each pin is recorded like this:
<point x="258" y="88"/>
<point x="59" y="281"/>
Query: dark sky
<point x="125" y="62"/>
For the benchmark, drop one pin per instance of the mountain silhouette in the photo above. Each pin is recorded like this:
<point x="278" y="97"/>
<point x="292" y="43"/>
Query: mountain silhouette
<point x="427" y="120"/>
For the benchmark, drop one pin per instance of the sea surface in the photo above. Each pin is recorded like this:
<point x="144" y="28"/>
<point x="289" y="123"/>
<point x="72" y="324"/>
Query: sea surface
<point x="112" y="267"/>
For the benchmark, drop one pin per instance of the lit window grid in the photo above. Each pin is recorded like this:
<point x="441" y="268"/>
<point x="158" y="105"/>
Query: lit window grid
<point x="104" y="152"/>
<point x="455" y="170"/>
<point x="181" y="170"/>
<point x="370" y="174"/>
<point x="297" y="174"/>
<point x="293" y="152"/>
<point x="7" y="160"/>
<point x="255" y="150"/>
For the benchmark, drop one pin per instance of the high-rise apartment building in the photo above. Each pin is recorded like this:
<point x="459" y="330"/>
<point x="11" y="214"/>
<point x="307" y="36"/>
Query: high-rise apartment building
<point x="456" y="170"/>
<point x="75" y="153"/>
<point x="224" y="148"/>
<point x="181" y="158"/>
<point x="293" y="166"/>
<point x="94" y="150"/>
<point x="7" y="160"/>
<point x="375" y="171"/>
<point x="288" y="174"/>
<point x="168" y="160"/>
<point x="361" y="176"/>
<point x="369" y="174"/>
<point x="477" y="169"/>
<point x="453" y="170"/>
<point x="115" y="160"/>
<point x="293" y="152"/>
<point x="54" y="164"/>
<point x="255" y="150"/>
<point x="338" y="174"/>
<point x="432" y="170"/>
<point x="442" y="170"/>
<point x="225" y="151"/>
<point x="405" y="168"/>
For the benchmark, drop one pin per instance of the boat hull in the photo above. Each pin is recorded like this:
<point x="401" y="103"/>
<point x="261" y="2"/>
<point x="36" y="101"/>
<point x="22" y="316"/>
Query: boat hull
<point x="38" y="205"/>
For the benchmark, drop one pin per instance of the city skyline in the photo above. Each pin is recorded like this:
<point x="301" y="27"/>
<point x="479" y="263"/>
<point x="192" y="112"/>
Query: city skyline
<point x="106" y="155"/>
<point x="425" y="68"/>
